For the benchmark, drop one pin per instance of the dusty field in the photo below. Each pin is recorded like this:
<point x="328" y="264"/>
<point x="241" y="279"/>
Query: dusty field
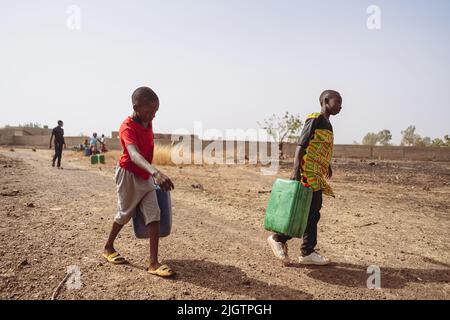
<point x="392" y="214"/>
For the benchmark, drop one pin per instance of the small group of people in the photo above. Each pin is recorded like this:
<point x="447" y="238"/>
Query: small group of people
<point x="94" y="145"/>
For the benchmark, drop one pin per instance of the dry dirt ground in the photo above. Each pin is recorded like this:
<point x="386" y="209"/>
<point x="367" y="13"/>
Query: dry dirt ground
<point x="395" y="215"/>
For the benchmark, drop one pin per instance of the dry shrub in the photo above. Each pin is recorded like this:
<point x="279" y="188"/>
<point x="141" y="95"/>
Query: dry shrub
<point x="161" y="155"/>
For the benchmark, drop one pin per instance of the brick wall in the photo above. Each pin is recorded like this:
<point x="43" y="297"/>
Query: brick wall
<point x="243" y="147"/>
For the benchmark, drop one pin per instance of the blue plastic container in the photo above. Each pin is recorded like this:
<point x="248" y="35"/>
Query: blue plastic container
<point x="165" y="223"/>
<point x="87" y="152"/>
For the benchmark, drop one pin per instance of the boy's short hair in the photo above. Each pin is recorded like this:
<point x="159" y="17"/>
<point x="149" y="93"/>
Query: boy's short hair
<point x="327" y="94"/>
<point x="143" y="95"/>
<point x="60" y="122"/>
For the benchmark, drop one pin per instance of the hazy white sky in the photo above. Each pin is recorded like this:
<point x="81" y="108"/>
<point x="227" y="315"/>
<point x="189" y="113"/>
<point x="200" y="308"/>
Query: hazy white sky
<point x="227" y="63"/>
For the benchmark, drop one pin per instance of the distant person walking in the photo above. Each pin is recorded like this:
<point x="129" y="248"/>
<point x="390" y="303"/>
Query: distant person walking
<point x="93" y="143"/>
<point x="58" y="133"/>
<point x="103" y="144"/>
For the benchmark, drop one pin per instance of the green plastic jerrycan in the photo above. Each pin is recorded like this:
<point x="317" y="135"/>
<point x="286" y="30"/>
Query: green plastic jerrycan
<point x="288" y="208"/>
<point x="101" y="158"/>
<point x="94" y="159"/>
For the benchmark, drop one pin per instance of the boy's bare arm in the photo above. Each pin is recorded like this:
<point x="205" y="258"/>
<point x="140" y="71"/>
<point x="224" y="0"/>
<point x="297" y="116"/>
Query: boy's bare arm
<point x="51" y="138"/>
<point x="330" y="172"/>
<point x="140" y="161"/>
<point x="299" y="153"/>
<point x="163" y="181"/>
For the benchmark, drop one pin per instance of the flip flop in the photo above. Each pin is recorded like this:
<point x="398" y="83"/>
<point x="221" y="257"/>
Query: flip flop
<point x="163" y="271"/>
<point x="114" y="257"/>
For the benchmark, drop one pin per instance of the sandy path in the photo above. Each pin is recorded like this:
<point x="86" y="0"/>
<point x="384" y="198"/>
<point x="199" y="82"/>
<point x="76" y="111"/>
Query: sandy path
<point x="218" y="244"/>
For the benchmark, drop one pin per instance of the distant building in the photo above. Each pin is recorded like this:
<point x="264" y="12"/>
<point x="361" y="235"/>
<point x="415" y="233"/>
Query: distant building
<point x="9" y="135"/>
<point x="25" y="131"/>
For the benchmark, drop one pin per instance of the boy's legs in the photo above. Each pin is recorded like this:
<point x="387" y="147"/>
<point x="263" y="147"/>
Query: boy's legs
<point x="151" y="212"/>
<point x="308" y="254"/>
<point x="55" y="155"/>
<point x="310" y="235"/>
<point x="132" y="192"/>
<point x="278" y="237"/>
<point x="277" y="243"/>
<point x="109" y="246"/>
<point x="153" y="229"/>
<point x="128" y="200"/>
<point x="59" y="155"/>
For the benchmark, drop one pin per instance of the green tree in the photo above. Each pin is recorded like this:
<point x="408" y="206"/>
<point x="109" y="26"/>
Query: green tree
<point x="384" y="137"/>
<point x="282" y="128"/>
<point x="438" y="143"/>
<point x="447" y="140"/>
<point x="422" y="142"/>
<point x="410" y="138"/>
<point x="370" y="139"/>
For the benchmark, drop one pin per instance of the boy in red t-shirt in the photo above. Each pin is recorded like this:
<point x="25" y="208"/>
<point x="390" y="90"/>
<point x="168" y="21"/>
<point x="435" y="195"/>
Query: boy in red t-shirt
<point x="135" y="178"/>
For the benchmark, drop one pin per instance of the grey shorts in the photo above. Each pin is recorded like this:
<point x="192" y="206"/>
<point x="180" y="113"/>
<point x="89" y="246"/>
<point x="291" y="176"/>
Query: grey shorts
<point x="133" y="191"/>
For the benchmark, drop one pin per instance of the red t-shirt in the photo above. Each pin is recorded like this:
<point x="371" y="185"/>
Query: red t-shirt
<point x="131" y="132"/>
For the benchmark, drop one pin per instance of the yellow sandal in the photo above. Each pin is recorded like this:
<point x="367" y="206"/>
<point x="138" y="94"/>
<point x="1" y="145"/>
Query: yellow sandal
<point x="163" y="271"/>
<point x="114" y="257"/>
